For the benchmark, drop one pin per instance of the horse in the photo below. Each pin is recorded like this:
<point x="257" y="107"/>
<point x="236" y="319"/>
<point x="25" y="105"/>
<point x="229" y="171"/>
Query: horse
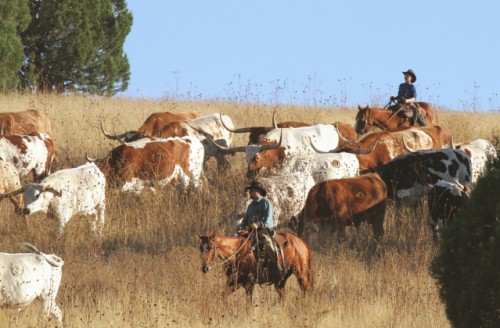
<point x="384" y="119"/>
<point x="240" y="262"/>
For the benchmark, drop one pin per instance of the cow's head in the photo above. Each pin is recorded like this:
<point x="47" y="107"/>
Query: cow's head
<point x="267" y="154"/>
<point x="38" y="197"/>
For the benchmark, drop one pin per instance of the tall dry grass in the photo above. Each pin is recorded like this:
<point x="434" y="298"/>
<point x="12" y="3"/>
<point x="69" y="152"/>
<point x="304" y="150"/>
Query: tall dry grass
<point x="146" y="270"/>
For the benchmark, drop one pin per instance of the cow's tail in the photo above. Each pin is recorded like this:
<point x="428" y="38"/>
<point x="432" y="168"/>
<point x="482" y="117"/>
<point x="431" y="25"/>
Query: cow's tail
<point x="52" y="259"/>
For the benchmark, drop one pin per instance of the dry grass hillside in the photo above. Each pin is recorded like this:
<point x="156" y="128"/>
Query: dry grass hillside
<point x="145" y="272"/>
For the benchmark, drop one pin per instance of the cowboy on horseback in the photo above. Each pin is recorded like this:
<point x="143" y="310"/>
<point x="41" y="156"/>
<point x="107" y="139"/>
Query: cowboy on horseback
<point x="259" y="218"/>
<point x="407" y="94"/>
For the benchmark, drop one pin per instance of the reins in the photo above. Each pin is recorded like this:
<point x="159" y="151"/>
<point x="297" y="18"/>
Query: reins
<point x="210" y="267"/>
<point x="382" y="125"/>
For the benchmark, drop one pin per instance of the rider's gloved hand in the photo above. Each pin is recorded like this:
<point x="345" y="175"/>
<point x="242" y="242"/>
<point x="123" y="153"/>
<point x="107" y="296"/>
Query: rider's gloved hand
<point x="255" y="226"/>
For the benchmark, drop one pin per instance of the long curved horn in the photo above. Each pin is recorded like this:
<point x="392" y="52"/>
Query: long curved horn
<point x="408" y="148"/>
<point x="240" y="130"/>
<point x="275" y="126"/>
<point x="344" y="139"/>
<point x="89" y="159"/>
<point x="12" y="193"/>
<point x="52" y="190"/>
<point x="272" y="146"/>
<point x="319" y="151"/>
<point x="352" y="151"/>
<point x="226" y="150"/>
<point x="367" y="150"/>
<point x="461" y="186"/>
<point x="114" y="136"/>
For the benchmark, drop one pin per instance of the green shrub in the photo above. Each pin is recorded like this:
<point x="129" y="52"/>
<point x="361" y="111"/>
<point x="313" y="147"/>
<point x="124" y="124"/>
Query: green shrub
<point x="467" y="267"/>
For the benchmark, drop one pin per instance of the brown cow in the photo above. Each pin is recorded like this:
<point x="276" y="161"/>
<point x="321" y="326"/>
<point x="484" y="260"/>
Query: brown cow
<point x="26" y="122"/>
<point x="155" y="124"/>
<point x="391" y="144"/>
<point x="144" y="163"/>
<point x="349" y="201"/>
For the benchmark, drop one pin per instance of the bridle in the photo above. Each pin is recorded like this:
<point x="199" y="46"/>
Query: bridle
<point x="377" y="124"/>
<point x="216" y="264"/>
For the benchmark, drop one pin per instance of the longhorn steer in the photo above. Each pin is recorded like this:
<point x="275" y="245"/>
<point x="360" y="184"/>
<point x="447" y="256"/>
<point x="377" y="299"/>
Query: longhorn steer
<point x="391" y="144"/>
<point x="25" y="277"/>
<point x="344" y="202"/>
<point x="68" y="192"/>
<point x="154" y="125"/>
<point x="25" y="122"/>
<point x="200" y="128"/>
<point x="136" y="165"/>
<point x="480" y="151"/>
<point x="445" y="200"/>
<point x="408" y="177"/>
<point x="29" y="153"/>
<point x="289" y="150"/>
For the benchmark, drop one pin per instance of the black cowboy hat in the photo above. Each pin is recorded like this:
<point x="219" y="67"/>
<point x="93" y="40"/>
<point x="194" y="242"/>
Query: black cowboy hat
<point x="412" y="74"/>
<point x="257" y="186"/>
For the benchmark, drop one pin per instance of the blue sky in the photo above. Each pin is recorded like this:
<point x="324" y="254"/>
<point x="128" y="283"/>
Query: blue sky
<point x="315" y="52"/>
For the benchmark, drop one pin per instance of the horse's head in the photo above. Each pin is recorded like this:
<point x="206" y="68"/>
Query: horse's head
<point x="364" y="120"/>
<point x="208" y="249"/>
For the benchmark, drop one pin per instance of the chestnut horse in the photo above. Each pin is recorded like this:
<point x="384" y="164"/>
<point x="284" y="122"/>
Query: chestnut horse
<point x="238" y="259"/>
<point x="385" y="119"/>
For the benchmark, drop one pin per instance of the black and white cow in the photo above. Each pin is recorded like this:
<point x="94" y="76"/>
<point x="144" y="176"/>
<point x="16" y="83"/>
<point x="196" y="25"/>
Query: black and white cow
<point x="445" y="201"/>
<point x="410" y="176"/>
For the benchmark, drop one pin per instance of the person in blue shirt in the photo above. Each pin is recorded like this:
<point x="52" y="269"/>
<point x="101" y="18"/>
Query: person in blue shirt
<point x="407" y="95"/>
<point x="259" y="218"/>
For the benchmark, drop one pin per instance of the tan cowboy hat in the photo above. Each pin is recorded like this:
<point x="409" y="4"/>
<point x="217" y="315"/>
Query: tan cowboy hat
<point x="257" y="186"/>
<point x="412" y="74"/>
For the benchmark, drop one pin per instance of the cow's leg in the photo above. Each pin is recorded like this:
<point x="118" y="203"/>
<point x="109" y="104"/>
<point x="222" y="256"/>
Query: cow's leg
<point x="50" y="308"/>
<point x="377" y="220"/>
<point x="99" y="220"/>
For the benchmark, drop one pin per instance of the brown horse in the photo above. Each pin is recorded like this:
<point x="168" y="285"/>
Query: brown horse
<point x="384" y="119"/>
<point x="235" y="254"/>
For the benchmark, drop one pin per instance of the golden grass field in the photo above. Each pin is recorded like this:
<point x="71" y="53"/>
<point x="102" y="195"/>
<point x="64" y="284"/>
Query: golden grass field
<point x="146" y="271"/>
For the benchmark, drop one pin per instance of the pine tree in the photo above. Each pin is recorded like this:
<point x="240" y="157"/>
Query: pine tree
<point x="14" y="18"/>
<point x="77" y="46"/>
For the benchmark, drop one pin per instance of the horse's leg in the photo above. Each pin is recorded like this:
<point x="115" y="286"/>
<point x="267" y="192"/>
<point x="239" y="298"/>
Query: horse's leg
<point x="249" y="292"/>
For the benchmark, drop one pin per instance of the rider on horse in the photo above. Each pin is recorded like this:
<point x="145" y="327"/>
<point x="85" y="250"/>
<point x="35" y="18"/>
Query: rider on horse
<point x="407" y="95"/>
<point x="259" y="218"/>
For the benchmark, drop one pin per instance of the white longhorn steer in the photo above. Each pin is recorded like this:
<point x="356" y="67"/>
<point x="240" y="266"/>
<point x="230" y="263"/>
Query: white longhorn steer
<point x="68" y="192"/>
<point x="26" y="276"/>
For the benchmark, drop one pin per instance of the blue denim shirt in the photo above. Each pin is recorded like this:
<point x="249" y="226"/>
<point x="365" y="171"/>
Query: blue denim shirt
<point x="407" y="91"/>
<point x="261" y="211"/>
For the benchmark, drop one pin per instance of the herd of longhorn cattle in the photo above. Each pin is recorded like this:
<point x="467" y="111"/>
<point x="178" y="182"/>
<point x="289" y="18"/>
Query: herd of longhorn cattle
<point x="319" y="176"/>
